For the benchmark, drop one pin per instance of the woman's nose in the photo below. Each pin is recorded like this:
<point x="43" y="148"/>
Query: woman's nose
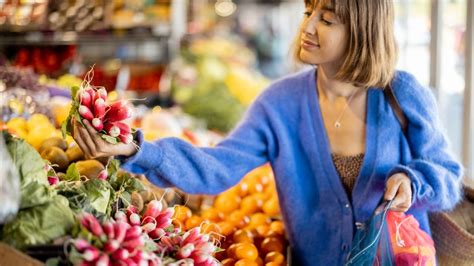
<point x="309" y="27"/>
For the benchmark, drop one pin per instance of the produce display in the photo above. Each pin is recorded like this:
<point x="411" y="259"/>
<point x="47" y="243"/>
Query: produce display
<point x="101" y="215"/>
<point x="210" y="82"/>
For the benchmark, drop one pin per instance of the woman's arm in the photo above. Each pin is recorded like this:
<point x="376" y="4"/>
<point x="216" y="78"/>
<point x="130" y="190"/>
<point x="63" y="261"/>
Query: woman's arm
<point x="435" y="175"/>
<point x="174" y="162"/>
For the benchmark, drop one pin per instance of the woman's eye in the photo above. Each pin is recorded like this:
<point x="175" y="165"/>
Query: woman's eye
<point x="326" y="22"/>
<point x="307" y="14"/>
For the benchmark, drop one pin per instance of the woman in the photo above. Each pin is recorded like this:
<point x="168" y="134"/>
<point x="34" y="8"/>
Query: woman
<point x="331" y="137"/>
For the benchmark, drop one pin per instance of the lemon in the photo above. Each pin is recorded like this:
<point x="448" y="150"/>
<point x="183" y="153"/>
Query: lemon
<point x="37" y="120"/>
<point x="17" y="123"/>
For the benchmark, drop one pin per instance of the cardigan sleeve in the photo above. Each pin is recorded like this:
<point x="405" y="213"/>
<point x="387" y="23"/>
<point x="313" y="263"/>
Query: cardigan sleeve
<point x="435" y="174"/>
<point x="174" y="162"/>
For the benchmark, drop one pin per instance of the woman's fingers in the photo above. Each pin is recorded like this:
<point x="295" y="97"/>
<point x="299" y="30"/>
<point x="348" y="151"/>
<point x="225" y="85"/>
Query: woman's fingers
<point x="77" y="135"/>
<point x="87" y="138"/>
<point x="399" y="191"/>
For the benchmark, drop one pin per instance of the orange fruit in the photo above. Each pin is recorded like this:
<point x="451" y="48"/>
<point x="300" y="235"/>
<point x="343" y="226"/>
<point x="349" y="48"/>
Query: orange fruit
<point x="227" y="202"/>
<point x="210" y="228"/>
<point x="259" y="219"/>
<point x="246" y="251"/>
<point x="272" y="263"/>
<point x="193" y="221"/>
<point x="270" y="244"/>
<point x="238" y="218"/>
<point x="255" y="187"/>
<point x="243" y="236"/>
<point x="276" y="257"/>
<point x="228" y="262"/>
<point x="231" y="250"/>
<point x="182" y="213"/>
<point x="262" y="230"/>
<point x="271" y="206"/>
<point x="178" y="224"/>
<point x="246" y="262"/>
<point x="261" y="197"/>
<point x="278" y="227"/>
<point x="249" y="205"/>
<point x="227" y="228"/>
<point x="212" y="215"/>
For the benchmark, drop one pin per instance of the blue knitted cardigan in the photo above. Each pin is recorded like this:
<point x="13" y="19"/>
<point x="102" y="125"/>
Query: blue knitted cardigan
<point x="284" y="126"/>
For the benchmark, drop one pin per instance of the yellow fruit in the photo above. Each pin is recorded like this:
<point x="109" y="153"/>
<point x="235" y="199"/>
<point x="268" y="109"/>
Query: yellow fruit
<point x="37" y="120"/>
<point x="17" y="123"/>
<point x="61" y="113"/>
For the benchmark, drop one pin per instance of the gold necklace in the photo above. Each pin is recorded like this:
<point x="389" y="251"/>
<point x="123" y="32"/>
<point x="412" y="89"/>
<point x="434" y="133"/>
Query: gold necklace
<point x="337" y="124"/>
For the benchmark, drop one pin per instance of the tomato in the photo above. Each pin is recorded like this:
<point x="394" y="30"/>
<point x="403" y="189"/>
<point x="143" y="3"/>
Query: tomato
<point x="210" y="228"/>
<point x="231" y="250"/>
<point x="272" y="263"/>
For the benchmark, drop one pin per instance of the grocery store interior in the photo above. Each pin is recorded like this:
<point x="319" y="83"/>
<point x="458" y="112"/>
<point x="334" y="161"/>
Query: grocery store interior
<point x="187" y="69"/>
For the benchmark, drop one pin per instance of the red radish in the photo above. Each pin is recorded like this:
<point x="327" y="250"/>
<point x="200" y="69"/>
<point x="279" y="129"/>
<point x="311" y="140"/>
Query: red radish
<point x="191" y="235"/>
<point x="103" y="260"/>
<point x="81" y="244"/>
<point x="91" y="223"/>
<point x="99" y="108"/>
<point x="153" y="208"/>
<point x="112" y="129"/>
<point x="185" y="251"/>
<point x="134" y="219"/>
<point x="120" y="229"/>
<point x="53" y="180"/>
<point x="85" y="112"/>
<point x="127" y="139"/>
<point x="131" y="209"/>
<point x="118" y="111"/>
<point x="84" y="98"/>
<point x="111" y="245"/>
<point x="129" y="262"/>
<point x="91" y="254"/>
<point x="120" y="216"/>
<point x="109" y="229"/>
<point x="102" y="93"/>
<point x="97" y="124"/>
<point x="103" y="175"/>
<point x="124" y="127"/>
<point x="120" y="254"/>
<point x="148" y="227"/>
<point x="157" y="233"/>
<point x="133" y="232"/>
<point x="135" y="242"/>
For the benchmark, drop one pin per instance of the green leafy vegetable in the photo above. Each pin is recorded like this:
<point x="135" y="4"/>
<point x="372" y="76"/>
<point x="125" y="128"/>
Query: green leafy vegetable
<point x="72" y="173"/>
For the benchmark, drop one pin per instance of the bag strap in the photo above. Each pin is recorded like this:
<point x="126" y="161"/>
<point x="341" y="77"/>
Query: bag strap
<point x="397" y="109"/>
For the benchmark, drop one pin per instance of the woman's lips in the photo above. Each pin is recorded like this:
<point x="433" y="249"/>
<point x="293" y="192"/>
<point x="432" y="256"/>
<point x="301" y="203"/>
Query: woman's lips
<point x="309" y="45"/>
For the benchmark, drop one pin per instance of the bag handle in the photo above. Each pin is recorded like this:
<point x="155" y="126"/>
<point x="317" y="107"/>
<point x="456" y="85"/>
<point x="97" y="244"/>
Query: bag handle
<point x="397" y="109"/>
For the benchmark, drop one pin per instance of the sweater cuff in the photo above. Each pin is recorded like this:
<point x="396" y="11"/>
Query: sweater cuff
<point x="148" y="156"/>
<point x="415" y="180"/>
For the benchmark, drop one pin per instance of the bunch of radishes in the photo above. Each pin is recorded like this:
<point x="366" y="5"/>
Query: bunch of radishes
<point x="105" y="118"/>
<point x="190" y="248"/>
<point x="113" y="243"/>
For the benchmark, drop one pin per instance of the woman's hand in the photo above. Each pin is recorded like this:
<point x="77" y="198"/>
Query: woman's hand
<point x="399" y="190"/>
<point x="94" y="146"/>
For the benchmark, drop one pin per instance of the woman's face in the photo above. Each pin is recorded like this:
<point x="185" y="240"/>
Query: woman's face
<point x="324" y="37"/>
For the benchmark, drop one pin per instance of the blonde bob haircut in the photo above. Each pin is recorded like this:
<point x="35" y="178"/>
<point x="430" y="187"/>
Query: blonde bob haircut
<point x="372" y="53"/>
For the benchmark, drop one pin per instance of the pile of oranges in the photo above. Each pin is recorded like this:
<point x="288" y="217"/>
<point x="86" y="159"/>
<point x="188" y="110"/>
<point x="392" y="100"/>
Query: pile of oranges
<point x="245" y="220"/>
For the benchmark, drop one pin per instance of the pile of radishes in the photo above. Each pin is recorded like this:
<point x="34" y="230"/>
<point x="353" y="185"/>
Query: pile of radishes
<point x="141" y="239"/>
<point x="105" y="118"/>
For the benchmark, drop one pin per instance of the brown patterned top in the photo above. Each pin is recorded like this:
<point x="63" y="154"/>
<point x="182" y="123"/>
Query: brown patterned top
<point x="348" y="168"/>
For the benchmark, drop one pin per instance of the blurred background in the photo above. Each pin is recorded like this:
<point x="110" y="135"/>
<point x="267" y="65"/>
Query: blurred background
<point x="208" y="59"/>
